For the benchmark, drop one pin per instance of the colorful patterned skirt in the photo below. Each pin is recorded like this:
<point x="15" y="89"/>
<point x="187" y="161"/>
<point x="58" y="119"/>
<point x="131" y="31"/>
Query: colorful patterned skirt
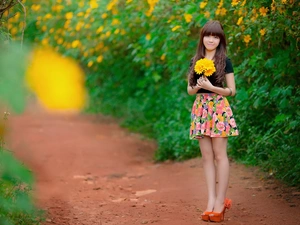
<point x="212" y="116"/>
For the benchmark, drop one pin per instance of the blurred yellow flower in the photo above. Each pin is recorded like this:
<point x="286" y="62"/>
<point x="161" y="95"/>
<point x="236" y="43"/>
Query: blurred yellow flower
<point x="263" y="31"/>
<point x="220" y="4"/>
<point x="104" y="15"/>
<point x="207" y="14"/>
<point x="80" y="14"/>
<point x="44" y="28"/>
<point x="69" y="15"/>
<point x="75" y="43"/>
<point x="14" y="31"/>
<point x="60" y="41"/>
<point x="188" y="18"/>
<point x="99" y="58"/>
<point x="57" y="8"/>
<point x="108" y="33"/>
<point x="81" y="4"/>
<point x="111" y="4"/>
<point x="93" y="4"/>
<point x="240" y="20"/>
<point x="90" y="63"/>
<point x="123" y="32"/>
<point x="176" y="28"/>
<point x="283" y="1"/>
<point x="263" y="11"/>
<point x="48" y="16"/>
<point x="115" y="22"/>
<point x="45" y="41"/>
<point x="202" y="4"/>
<point x="163" y="57"/>
<point x="35" y="7"/>
<point x="148" y="37"/>
<point x="99" y="30"/>
<point x="273" y="7"/>
<point x="57" y="81"/>
<point x="87" y="26"/>
<point x="128" y="1"/>
<point x="79" y="25"/>
<point x="223" y="11"/>
<point x="247" y="38"/>
<point x="235" y="2"/>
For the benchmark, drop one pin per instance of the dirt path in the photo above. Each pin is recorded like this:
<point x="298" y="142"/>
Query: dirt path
<point x="90" y="171"/>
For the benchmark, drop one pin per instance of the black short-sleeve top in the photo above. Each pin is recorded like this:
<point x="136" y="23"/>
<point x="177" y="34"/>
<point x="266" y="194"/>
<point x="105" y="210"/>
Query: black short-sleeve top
<point x="212" y="78"/>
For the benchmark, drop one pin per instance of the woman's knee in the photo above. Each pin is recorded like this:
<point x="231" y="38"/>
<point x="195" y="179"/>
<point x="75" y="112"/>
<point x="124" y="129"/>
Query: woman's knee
<point x="221" y="156"/>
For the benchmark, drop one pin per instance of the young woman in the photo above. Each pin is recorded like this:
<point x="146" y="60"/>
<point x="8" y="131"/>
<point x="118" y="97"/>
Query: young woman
<point x="212" y="121"/>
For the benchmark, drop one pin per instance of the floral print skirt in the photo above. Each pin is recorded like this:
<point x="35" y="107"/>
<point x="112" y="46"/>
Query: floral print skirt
<point x="212" y="116"/>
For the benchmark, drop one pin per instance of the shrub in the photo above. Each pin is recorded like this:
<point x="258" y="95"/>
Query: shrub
<point x="137" y="55"/>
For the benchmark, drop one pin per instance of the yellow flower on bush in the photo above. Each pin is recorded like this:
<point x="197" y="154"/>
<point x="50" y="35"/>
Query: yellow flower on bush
<point x="104" y="15"/>
<point x="48" y="16"/>
<point x="148" y="37"/>
<point x="262" y="31"/>
<point x="247" y="38"/>
<point x="263" y="11"/>
<point x="93" y="4"/>
<point x="235" y="2"/>
<point x="90" y="63"/>
<point x="207" y="14"/>
<point x="69" y="15"/>
<point x="202" y="5"/>
<point x="35" y="7"/>
<point x="115" y="22"/>
<point x="176" y="28"/>
<point x="223" y="11"/>
<point x="188" y="18"/>
<point x="240" y="20"/>
<point x="57" y="81"/>
<point x="205" y="66"/>
<point x="99" y="58"/>
<point x="75" y="44"/>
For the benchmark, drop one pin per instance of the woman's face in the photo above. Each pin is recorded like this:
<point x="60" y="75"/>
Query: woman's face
<point x="211" y="42"/>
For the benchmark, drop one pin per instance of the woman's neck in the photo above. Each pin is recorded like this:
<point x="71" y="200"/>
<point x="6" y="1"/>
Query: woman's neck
<point x="210" y="54"/>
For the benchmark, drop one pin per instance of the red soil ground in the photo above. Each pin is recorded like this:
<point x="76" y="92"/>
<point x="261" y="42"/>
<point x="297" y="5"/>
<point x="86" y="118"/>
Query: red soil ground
<point x="90" y="171"/>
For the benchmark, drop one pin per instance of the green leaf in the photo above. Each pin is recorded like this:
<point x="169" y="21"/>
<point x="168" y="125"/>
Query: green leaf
<point x="11" y="169"/>
<point x="280" y="118"/>
<point x="12" y="70"/>
<point x="242" y="94"/>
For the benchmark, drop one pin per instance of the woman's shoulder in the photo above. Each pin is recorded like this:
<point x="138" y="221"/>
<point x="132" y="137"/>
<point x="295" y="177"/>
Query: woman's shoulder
<point x="228" y="66"/>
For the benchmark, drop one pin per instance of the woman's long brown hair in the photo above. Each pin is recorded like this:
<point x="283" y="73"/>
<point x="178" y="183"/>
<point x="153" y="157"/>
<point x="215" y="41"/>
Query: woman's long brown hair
<point x="214" y="28"/>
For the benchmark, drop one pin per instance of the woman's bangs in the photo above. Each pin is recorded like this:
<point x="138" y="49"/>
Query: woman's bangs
<point x="213" y="29"/>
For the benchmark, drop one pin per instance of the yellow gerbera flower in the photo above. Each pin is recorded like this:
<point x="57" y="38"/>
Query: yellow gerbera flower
<point x="205" y="66"/>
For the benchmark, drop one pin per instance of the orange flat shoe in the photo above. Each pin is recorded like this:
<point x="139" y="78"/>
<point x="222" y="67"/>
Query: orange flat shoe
<point x="219" y="217"/>
<point x="205" y="215"/>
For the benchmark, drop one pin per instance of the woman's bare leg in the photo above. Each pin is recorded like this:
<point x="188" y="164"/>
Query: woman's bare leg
<point x="207" y="153"/>
<point x="219" y="146"/>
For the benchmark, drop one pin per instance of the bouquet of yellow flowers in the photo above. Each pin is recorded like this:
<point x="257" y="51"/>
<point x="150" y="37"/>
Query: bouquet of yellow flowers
<point x="205" y="66"/>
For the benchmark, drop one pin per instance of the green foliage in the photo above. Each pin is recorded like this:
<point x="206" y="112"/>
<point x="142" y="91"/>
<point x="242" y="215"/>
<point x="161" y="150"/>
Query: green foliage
<point x="16" y="206"/>
<point x="138" y="54"/>
<point x="15" y="193"/>
<point x="12" y="87"/>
